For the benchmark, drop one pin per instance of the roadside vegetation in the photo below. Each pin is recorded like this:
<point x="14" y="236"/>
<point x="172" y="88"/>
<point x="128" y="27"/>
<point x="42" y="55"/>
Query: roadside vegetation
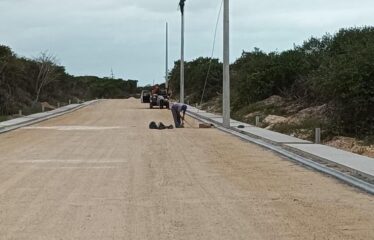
<point x="325" y="82"/>
<point x="26" y="84"/>
<point x="330" y="80"/>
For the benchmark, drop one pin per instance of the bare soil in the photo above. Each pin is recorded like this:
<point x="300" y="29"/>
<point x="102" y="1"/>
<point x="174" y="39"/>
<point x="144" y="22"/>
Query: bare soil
<point x="100" y="173"/>
<point x="352" y="145"/>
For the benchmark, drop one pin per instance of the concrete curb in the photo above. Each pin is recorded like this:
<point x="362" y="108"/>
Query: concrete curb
<point x="345" y="174"/>
<point x="40" y="117"/>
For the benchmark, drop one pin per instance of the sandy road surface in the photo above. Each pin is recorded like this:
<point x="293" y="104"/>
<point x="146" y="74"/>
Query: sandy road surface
<point x="99" y="173"/>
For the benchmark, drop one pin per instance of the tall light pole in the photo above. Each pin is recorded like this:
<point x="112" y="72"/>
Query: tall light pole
<point x="167" y="58"/>
<point x="226" y="64"/>
<point x="181" y="5"/>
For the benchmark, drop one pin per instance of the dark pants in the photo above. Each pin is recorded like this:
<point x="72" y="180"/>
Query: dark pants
<point x="176" y="116"/>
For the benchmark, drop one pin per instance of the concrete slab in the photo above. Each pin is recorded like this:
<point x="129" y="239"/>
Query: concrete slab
<point x="39" y="115"/>
<point x="347" y="159"/>
<point x="259" y="133"/>
<point x="272" y="137"/>
<point x="208" y="115"/>
<point x="341" y="162"/>
<point x="57" y="110"/>
<point x="15" y="121"/>
<point x="52" y="112"/>
<point x="68" y="107"/>
<point x="233" y="122"/>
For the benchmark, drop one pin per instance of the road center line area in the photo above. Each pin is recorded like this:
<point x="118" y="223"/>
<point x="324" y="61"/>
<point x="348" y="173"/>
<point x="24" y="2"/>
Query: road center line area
<point x="101" y="173"/>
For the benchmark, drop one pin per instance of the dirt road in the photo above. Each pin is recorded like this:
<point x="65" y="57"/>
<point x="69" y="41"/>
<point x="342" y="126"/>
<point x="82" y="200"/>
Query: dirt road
<point x="100" y="173"/>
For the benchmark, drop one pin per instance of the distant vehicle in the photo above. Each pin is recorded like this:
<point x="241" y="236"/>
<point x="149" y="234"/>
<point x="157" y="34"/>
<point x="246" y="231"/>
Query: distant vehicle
<point x="164" y="93"/>
<point x="145" y="96"/>
<point x="161" y="100"/>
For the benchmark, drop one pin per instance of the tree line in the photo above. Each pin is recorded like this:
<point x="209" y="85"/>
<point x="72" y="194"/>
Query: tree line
<point x="25" y="82"/>
<point x="335" y="69"/>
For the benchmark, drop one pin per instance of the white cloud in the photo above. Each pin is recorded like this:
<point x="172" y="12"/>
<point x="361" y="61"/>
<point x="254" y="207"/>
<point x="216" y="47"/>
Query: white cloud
<point x="91" y="37"/>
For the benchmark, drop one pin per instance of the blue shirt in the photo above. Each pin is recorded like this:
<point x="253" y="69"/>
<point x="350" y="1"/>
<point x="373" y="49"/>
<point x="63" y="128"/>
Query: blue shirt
<point x="179" y="106"/>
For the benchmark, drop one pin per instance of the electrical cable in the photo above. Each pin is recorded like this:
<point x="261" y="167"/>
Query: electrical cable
<point x="211" y="57"/>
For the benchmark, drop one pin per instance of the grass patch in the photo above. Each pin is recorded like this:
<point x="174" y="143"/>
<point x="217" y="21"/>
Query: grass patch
<point x="3" y="118"/>
<point x="368" y="140"/>
<point x="31" y="110"/>
<point x="265" y="109"/>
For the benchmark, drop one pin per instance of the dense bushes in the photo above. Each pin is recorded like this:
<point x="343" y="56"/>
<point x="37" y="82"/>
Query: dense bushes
<point x="195" y="76"/>
<point x="338" y="70"/>
<point x="24" y="82"/>
<point x="346" y="79"/>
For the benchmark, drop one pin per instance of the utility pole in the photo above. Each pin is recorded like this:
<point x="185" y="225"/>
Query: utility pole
<point x="181" y="5"/>
<point x="111" y="73"/>
<point x="167" y="58"/>
<point x="226" y="64"/>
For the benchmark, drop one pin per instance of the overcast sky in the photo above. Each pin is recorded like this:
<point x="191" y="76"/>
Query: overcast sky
<point x="128" y="36"/>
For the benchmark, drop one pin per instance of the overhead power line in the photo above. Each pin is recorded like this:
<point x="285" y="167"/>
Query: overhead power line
<point x="211" y="56"/>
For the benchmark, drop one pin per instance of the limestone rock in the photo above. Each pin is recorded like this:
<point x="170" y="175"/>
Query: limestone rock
<point x="274" y="119"/>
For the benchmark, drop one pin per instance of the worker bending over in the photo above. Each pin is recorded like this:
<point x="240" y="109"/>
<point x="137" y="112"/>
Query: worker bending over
<point x="178" y="110"/>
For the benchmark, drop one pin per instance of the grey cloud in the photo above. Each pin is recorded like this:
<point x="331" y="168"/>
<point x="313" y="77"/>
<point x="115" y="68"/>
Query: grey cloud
<point x="91" y="37"/>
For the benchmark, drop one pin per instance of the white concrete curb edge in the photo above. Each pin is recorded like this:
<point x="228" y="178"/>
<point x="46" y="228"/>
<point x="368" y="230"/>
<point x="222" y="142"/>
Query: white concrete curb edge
<point x="31" y="120"/>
